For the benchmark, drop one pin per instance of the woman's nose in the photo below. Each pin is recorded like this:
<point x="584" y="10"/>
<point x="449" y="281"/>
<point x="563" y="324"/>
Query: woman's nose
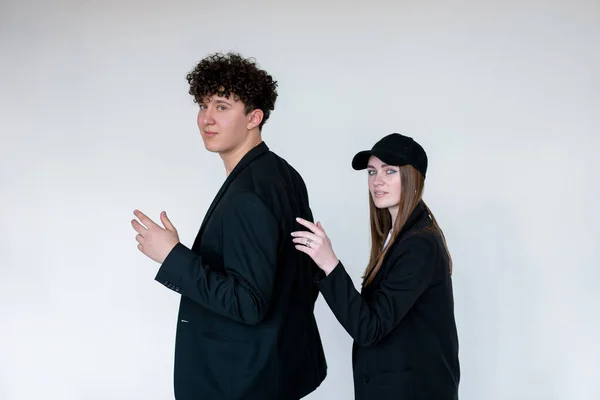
<point x="377" y="180"/>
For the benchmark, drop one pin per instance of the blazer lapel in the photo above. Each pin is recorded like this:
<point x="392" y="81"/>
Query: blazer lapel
<point x="253" y="154"/>
<point x="412" y="220"/>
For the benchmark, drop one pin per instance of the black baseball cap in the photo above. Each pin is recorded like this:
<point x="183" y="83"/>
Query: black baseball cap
<point x="394" y="149"/>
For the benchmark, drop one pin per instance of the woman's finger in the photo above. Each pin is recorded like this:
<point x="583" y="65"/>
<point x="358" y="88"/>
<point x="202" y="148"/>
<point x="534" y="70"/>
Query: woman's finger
<point x="306" y="235"/>
<point x="307" y="242"/>
<point x="314" y="229"/>
<point x="304" y="249"/>
<point x="320" y="226"/>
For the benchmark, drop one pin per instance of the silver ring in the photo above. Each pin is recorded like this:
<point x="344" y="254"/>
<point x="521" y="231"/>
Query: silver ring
<point x="308" y="241"/>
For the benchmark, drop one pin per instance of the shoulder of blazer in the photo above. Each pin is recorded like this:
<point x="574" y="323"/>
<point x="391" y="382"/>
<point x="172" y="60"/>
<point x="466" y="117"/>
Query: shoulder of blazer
<point x="424" y="242"/>
<point x="267" y="174"/>
<point x="232" y="181"/>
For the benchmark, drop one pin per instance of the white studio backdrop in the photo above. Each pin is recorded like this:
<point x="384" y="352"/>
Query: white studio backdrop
<point x="95" y="120"/>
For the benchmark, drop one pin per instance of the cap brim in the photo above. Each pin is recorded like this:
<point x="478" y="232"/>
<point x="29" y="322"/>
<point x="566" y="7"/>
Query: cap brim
<point x="361" y="160"/>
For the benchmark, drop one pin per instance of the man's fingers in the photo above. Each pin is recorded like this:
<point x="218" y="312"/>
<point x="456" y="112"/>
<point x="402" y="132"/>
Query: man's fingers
<point x="138" y="227"/>
<point x="167" y="222"/>
<point x="148" y="223"/>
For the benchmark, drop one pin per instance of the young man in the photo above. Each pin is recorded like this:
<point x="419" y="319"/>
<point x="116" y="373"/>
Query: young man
<point x="246" y="328"/>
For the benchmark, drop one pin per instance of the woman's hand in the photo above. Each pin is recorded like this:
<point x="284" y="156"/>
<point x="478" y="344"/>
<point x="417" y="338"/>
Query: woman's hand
<point x="316" y="244"/>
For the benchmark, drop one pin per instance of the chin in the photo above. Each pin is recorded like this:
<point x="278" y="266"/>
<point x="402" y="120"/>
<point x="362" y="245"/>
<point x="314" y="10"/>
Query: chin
<point x="380" y="203"/>
<point x="212" y="147"/>
<point x="382" y="206"/>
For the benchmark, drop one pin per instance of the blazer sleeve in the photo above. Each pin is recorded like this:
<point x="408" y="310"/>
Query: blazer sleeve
<point x="250" y="245"/>
<point x="369" y="322"/>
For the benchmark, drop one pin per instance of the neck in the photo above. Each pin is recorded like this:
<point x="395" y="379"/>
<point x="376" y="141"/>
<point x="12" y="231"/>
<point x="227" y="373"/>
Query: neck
<point x="394" y="214"/>
<point x="233" y="157"/>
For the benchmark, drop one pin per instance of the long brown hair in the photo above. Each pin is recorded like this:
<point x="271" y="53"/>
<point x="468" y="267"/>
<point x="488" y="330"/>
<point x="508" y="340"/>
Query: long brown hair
<point x="412" y="184"/>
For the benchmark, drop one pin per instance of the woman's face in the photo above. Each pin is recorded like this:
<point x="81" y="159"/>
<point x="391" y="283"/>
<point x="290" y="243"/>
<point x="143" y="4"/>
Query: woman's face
<point x="384" y="183"/>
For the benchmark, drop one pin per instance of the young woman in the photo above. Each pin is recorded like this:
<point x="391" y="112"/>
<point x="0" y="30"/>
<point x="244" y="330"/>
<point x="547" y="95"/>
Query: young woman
<point x="402" y="322"/>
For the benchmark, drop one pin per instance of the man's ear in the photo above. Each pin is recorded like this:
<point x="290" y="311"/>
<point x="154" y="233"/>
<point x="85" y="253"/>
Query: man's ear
<point x="255" y="117"/>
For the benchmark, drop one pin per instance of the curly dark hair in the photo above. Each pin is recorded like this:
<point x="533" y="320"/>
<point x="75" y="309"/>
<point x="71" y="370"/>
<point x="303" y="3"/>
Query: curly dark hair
<point x="225" y="74"/>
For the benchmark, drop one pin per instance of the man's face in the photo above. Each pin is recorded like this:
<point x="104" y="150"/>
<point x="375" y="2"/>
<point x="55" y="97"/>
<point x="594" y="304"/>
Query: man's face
<point x="223" y="123"/>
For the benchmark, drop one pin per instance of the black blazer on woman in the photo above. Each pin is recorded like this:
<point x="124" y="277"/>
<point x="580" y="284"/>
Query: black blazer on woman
<point x="405" y="338"/>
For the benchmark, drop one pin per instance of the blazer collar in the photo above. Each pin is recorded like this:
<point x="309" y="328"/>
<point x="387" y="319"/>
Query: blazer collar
<point x="250" y="156"/>
<point x="417" y="215"/>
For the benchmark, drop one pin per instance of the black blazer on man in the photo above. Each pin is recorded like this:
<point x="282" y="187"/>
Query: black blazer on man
<point x="405" y="340"/>
<point x="246" y="328"/>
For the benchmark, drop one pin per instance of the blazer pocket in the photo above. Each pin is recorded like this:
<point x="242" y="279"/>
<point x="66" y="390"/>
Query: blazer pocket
<point x="220" y="338"/>
<point x="391" y="385"/>
<point x="221" y="366"/>
<point x="390" y="360"/>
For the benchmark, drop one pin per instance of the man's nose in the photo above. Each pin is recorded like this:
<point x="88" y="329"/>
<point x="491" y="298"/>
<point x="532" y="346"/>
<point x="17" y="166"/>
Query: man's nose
<point x="207" y="116"/>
